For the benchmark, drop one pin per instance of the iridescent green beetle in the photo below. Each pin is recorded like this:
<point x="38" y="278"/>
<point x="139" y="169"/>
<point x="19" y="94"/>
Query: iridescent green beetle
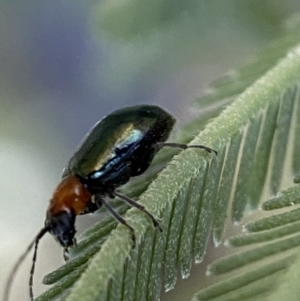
<point x="120" y="146"/>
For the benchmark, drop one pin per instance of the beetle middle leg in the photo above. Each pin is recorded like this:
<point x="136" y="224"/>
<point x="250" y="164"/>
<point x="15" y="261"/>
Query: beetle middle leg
<point x="133" y="203"/>
<point x="117" y="216"/>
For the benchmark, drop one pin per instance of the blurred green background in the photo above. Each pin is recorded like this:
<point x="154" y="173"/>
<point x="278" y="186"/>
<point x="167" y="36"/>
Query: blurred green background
<point x="66" y="64"/>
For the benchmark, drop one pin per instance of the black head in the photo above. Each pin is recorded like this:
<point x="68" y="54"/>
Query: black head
<point x="62" y="227"/>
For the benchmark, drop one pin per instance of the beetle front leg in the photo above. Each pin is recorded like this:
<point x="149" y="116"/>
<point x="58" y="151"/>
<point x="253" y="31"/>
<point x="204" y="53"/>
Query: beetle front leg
<point x="91" y="207"/>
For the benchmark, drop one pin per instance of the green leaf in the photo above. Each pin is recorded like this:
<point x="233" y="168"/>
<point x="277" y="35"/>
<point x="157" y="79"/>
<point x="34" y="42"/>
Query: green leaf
<point x="197" y="194"/>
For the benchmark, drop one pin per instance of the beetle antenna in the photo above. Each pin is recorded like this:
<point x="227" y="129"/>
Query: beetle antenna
<point x="10" y="279"/>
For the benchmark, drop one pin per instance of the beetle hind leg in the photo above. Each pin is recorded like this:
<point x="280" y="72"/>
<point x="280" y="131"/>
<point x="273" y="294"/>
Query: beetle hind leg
<point x="185" y="146"/>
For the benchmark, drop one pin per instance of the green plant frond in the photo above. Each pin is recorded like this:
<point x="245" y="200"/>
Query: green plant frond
<point x="238" y="80"/>
<point x="278" y="235"/>
<point x="285" y="198"/>
<point x="193" y="197"/>
<point x="249" y="282"/>
<point x="289" y="284"/>
<point x="274" y="240"/>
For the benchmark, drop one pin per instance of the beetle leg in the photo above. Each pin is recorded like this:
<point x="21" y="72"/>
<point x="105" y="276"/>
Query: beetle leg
<point x="91" y="207"/>
<point x="185" y="146"/>
<point x="117" y="216"/>
<point x="133" y="203"/>
<point x="66" y="254"/>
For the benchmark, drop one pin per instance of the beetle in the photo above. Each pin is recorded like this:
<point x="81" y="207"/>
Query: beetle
<point x="120" y="146"/>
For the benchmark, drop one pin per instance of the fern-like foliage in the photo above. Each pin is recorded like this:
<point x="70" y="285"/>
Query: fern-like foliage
<point x="257" y="138"/>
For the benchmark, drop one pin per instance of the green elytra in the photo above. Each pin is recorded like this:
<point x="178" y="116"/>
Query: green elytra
<point x="120" y="146"/>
